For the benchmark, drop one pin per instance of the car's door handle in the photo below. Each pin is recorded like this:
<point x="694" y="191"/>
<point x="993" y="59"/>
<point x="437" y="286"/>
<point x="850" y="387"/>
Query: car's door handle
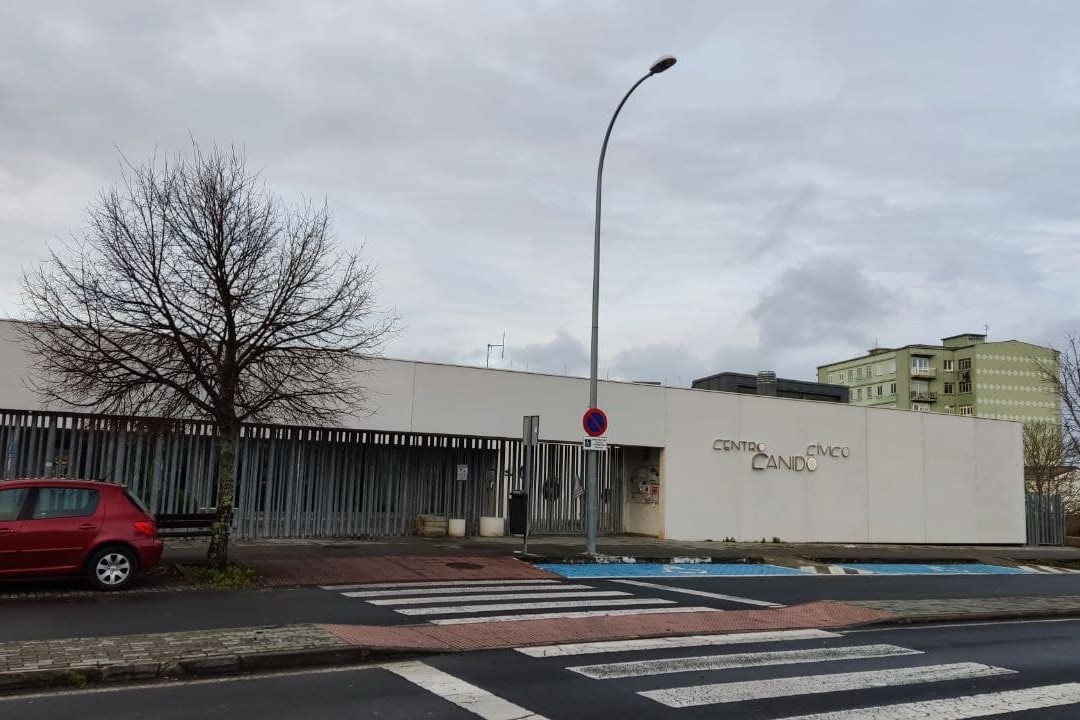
<point x="6" y="531"/>
<point x="88" y="526"/>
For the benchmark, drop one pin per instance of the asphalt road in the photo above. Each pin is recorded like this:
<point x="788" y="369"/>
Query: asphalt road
<point x="936" y="672"/>
<point x="119" y="614"/>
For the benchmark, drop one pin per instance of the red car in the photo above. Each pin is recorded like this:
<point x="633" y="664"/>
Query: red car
<point x="65" y="527"/>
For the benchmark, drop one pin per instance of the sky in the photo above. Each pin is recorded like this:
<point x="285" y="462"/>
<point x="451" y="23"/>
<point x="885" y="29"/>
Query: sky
<point x="810" y="180"/>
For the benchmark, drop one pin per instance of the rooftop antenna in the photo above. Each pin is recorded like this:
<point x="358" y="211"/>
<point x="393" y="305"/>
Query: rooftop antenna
<point x="986" y="329"/>
<point x="502" y="351"/>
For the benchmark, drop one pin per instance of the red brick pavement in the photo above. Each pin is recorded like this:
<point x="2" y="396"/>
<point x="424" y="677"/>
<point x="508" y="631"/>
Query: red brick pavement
<point x="330" y="570"/>
<point x="479" y="636"/>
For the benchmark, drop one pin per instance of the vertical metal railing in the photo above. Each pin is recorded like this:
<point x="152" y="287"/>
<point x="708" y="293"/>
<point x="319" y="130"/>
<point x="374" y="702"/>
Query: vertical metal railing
<point x="295" y="482"/>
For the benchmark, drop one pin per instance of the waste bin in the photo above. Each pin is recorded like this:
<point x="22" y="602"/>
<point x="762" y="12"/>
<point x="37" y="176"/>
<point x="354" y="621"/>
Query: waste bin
<point x="517" y="512"/>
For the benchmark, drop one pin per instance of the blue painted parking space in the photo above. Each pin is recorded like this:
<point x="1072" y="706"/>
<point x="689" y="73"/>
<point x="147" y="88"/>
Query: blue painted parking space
<point x="943" y="569"/>
<point x="630" y="570"/>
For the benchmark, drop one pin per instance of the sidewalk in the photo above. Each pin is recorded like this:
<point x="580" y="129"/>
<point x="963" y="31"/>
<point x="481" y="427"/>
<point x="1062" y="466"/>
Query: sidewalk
<point x="285" y="563"/>
<point x="78" y="662"/>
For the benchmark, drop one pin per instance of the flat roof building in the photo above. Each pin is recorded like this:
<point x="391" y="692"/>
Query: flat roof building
<point x="766" y="383"/>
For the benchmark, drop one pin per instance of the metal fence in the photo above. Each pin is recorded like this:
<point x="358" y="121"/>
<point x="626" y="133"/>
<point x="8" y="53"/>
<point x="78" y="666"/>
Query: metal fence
<point x="297" y="482"/>
<point x="1045" y="519"/>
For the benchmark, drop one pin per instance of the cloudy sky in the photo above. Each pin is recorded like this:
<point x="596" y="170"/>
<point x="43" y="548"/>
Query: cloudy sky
<point x="810" y="179"/>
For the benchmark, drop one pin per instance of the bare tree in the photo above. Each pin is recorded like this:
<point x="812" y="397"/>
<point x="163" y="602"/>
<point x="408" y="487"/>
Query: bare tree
<point x="1044" y="457"/>
<point x="195" y="292"/>
<point x="1062" y="375"/>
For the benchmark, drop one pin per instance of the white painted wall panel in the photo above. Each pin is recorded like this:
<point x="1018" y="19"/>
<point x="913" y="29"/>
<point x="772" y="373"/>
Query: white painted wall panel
<point x="894" y="472"/>
<point x="949" y="472"/>
<point x="998" y="462"/>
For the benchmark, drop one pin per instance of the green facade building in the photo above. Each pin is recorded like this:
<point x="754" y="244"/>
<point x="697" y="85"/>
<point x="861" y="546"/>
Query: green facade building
<point x="965" y="375"/>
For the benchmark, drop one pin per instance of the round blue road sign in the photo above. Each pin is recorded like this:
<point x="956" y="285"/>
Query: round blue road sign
<point x="595" y="422"/>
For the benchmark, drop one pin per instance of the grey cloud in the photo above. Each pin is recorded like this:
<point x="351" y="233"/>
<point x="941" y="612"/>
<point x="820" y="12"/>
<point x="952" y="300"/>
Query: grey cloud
<point x="923" y="145"/>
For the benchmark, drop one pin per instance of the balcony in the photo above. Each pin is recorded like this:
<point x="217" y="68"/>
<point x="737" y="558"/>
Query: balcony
<point x="922" y="396"/>
<point x="928" y="373"/>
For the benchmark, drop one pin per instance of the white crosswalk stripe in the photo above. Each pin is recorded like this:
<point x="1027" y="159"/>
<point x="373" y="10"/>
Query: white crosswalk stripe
<point x="816" y="684"/>
<point x="439" y="583"/>
<point x="495" y="596"/>
<point x="640" y="668"/>
<point x="499" y="607"/>
<point x="509" y="600"/>
<point x="464" y="590"/>
<point x="666" y="643"/>
<point x="962" y="708"/>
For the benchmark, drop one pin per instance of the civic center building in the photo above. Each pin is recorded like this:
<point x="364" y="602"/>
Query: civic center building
<point x="436" y="439"/>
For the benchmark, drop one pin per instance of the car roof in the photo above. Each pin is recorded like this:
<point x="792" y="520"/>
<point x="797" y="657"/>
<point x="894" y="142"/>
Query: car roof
<point x="55" y="482"/>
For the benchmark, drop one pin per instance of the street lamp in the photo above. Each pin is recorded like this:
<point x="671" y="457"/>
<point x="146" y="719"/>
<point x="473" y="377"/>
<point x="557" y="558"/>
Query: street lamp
<point x="592" y="504"/>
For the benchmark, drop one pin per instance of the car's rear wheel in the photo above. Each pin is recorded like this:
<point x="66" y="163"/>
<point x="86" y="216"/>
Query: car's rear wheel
<point x="112" y="568"/>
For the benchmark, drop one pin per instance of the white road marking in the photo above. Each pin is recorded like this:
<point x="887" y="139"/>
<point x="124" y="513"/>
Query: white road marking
<point x="461" y="609"/>
<point x="1028" y="568"/>
<point x="469" y="697"/>
<point x="614" y="646"/>
<point x="700" y="593"/>
<point x="570" y="615"/>
<point x="555" y="587"/>
<point x="962" y="708"/>
<point x="836" y="570"/>
<point x="510" y="596"/>
<point x="441" y="583"/>
<point x="813" y="684"/>
<point x="639" y="668"/>
<point x="808" y="568"/>
<point x="1049" y="569"/>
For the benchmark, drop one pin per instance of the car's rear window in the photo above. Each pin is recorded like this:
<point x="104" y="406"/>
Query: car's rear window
<point x="137" y="502"/>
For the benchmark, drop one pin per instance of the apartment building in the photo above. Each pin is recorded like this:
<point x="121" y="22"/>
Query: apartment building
<point x="964" y="375"/>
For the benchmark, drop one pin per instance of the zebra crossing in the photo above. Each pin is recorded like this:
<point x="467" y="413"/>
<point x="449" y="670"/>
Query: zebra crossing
<point x="719" y="655"/>
<point x="471" y="601"/>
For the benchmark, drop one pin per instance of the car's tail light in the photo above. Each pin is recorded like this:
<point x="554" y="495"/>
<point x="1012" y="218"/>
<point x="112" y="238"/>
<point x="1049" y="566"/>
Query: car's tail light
<point x="145" y="528"/>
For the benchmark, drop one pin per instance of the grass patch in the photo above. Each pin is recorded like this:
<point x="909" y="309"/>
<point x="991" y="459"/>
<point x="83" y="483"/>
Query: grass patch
<point x="234" y="577"/>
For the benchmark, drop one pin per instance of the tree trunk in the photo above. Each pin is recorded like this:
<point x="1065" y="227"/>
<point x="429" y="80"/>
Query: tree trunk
<point x="217" y="555"/>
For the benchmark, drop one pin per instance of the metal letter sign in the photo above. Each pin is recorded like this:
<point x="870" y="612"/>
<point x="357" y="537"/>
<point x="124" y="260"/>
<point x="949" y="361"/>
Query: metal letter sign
<point x="595" y="422"/>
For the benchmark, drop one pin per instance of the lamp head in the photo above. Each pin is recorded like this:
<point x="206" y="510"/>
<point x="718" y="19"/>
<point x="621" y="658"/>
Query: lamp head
<point x="662" y="63"/>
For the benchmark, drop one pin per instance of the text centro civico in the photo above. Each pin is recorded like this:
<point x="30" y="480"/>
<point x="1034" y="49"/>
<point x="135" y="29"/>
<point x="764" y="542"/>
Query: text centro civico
<point x="762" y="459"/>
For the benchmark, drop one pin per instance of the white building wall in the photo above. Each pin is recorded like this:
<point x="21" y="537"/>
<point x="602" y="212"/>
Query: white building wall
<point x="908" y="477"/>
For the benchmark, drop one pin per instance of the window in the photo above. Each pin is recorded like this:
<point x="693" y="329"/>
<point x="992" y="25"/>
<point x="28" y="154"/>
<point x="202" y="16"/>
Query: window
<point x="11" y="502"/>
<point x="920" y="364"/>
<point x="948" y="388"/>
<point x="947" y="410"/>
<point x="965" y="363"/>
<point x="878" y="368"/>
<point x="919" y="407"/>
<point x="947" y="365"/>
<point x="54" y="502"/>
<point x="892" y="388"/>
<point x="858" y="394"/>
<point x="879" y="390"/>
<point x="965" y="410"/>
<point x="891" y="366"/>
<point x="858" y="373"/>
<point x="965" y="387"/>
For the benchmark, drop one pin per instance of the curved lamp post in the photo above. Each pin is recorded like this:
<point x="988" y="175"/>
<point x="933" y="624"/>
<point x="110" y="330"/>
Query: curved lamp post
<point x="592" y="505"/>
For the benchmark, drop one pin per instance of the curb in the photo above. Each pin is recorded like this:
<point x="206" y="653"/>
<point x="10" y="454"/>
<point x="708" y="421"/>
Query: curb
<point x="976" y="616"/>
<point x="81" y="678"/>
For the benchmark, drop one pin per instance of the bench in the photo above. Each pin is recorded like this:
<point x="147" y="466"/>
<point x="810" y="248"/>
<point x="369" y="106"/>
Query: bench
<point x="185" y="524"/>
